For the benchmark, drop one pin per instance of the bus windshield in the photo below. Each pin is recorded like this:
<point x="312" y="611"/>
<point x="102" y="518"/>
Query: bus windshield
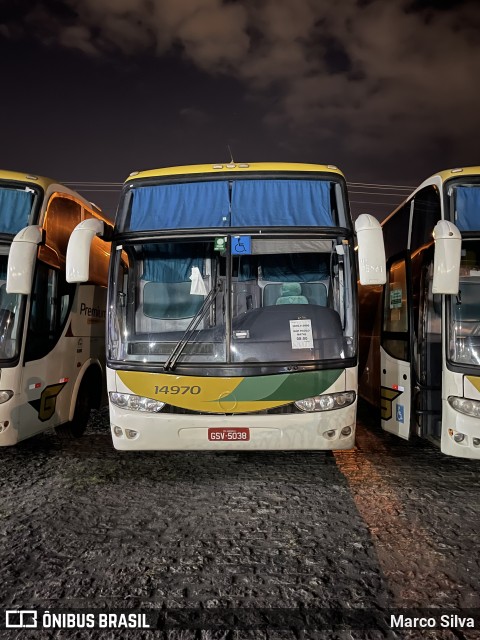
<point x="465" y="308"/>
<point x="10" y="317"/>
<point x="16" y="205"/>
<point x="465" y="202"/>
<point x="233" y="300"/>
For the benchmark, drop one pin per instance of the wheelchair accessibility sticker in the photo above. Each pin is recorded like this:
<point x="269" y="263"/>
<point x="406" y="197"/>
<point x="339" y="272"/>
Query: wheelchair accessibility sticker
<point x="400" y="413"/>
<point x="241" y="245"/>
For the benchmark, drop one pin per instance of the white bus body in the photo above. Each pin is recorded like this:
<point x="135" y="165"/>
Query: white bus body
<point x="420" y="359"/>
<point x="52" y="340"/>
<point x="232" y="317"/>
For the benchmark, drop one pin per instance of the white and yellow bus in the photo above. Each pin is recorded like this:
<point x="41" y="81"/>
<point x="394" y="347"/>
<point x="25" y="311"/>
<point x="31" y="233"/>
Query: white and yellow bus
<point x="420" y="359"/>
<point x="51" y="332"/>
<point x="232" y="313"/>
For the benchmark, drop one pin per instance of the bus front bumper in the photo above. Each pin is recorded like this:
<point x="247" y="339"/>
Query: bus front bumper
<point x="139" y="431"/>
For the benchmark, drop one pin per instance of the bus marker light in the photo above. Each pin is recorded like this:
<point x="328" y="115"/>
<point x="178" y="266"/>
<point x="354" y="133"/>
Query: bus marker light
<point x="37" y="385"/>
<point x="5" y="395"/>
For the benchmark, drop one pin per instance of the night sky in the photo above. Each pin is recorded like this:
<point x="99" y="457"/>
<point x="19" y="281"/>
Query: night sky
<point x="388" y="90"/>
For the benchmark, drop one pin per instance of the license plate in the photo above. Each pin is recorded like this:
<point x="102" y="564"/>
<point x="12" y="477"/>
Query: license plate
<point x="227" y="434"/>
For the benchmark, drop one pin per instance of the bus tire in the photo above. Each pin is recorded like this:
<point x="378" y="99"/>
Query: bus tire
<point x="86" y="399"/>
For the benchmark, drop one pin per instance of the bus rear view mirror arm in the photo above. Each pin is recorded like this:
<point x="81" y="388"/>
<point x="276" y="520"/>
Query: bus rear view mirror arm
<point x="21" y="259"/>
<point x="371" y="250"/>
<point x="446" y="263"/>
<point x="78" y="250"/>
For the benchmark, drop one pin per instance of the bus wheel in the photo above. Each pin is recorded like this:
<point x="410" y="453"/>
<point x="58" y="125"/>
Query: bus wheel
<point x="76" y="427"/>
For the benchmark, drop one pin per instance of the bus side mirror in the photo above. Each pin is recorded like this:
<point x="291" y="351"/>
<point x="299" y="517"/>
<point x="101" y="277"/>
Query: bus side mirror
<point x="446" y="261"/>
<point x="78" y="249"/>
<point x="21" y="259"/>
<point x="371" y="250"/>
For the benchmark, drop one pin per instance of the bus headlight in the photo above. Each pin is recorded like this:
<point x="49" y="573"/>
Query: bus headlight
<point x="135" y="403"/>
<point x="465" y="406"/>
<point x="327" y="402"/>
<point x="5" y="395"/>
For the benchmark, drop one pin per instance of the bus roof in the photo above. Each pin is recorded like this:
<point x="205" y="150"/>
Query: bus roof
<point x="27" y="178"/>
<point x="445" y="175"/>
<point x="50" y="185"/>
<point x="233" y="167"/>
<point x="434" y="179"/>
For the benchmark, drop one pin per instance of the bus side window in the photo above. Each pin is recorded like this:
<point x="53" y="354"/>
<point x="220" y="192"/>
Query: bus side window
<point x="395" y="231"/>
<point x="50" y="302"/>
<point x="426" y="214"/>
<point x="395" y="312"/>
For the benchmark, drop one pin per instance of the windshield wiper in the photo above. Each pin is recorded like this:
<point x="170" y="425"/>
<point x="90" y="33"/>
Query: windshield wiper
<point x="185" y="339"/>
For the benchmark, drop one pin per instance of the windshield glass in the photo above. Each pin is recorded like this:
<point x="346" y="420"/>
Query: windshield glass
<point x="465" y="203"/>
<point x="10" y="317"/>
<point x="15" y="208"/>
<point x="232" y="300"/>
<point x="465" y="308"/>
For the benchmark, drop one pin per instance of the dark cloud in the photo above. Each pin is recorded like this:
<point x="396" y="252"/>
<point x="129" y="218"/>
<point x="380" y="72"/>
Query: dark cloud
<point x="368" y="78"/>
<point x="195" y="116"/>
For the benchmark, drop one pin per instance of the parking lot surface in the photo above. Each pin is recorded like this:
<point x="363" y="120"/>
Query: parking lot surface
<point x="389" y="525"/>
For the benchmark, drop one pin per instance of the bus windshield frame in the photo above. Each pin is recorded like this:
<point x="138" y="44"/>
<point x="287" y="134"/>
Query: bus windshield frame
<point x="463" y="310"/>
<point x="12" y="306"/>
<point x="221" y="279"/>
<point x="254" y="311"/>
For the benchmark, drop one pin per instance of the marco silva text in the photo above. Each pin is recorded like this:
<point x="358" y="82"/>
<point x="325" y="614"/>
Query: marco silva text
<point x="444" y="621"/>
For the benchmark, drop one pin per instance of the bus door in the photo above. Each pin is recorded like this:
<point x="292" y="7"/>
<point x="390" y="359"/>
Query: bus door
<point x="427" y="399"/>
<point x="395" y="363"/>
<point x="49" y="364"/>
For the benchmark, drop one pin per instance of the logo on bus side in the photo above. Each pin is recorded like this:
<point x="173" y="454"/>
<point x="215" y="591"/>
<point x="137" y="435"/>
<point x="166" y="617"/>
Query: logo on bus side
<point x="387" y="397"/>
<point x="45" y="405"/>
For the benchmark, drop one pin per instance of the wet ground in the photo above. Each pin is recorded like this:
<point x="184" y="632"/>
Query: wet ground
<point x="283" y="541"/>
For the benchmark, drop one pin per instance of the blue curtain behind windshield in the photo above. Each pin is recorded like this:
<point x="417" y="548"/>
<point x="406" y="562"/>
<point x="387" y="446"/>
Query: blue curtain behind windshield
<point x="468" y="208"/>
<point x="180" y="206"/>
<point x="281" y="203"/>
<point x="171" y="262"/>
<point x="263" y="203"/>
<point x="15" y="207"/>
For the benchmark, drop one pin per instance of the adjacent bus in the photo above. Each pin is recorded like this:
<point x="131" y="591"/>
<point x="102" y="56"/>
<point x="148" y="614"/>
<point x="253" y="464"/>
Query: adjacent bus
<point x="232" y="310"/>
<point x="51" y="332"/>
<point x="421" y="361"/>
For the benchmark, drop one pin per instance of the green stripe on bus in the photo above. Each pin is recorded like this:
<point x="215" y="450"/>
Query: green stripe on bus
<point x="287" y="387"/>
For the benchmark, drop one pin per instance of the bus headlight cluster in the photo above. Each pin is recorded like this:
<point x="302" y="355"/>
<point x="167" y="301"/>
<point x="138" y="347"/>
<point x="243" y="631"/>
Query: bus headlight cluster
<point x="135" y="403"/>
<point x="465" y="406"/>
<point x="327" y="402"/>
<point x="5" y="395"/>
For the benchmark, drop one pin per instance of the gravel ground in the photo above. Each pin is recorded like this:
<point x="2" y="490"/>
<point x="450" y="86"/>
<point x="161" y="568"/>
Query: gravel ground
<point x="388" y="525"/>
